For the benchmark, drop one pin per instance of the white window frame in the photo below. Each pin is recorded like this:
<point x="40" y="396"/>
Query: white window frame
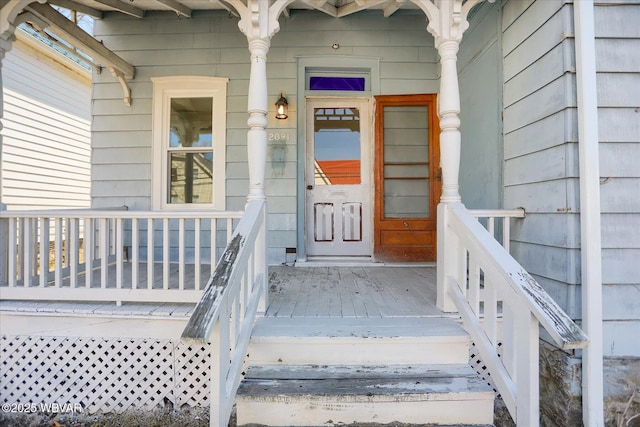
<point x="164" y="89"/>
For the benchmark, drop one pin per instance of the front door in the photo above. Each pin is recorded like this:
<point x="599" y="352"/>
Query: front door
<point x="407" y="178"/>
<point x="337" y="177"/>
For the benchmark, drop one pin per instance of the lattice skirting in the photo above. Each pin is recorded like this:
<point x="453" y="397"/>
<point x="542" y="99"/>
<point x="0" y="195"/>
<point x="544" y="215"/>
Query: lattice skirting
<point x="103" y="375"/>
<point x="475" y="360"/>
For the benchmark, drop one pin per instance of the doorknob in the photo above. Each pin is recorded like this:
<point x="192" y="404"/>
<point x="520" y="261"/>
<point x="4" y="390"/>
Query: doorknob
<point x="309" y="187"/>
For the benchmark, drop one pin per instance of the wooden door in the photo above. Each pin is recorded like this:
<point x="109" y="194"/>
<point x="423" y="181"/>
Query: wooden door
<point x="407" y="178"/>
<point x="338" y="204"/>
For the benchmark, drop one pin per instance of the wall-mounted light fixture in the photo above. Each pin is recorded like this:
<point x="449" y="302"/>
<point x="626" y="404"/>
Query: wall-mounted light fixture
<point x="282" y="107"/>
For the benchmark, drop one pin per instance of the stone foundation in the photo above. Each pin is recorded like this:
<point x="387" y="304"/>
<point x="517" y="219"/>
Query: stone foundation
<point x="561" y="394"/>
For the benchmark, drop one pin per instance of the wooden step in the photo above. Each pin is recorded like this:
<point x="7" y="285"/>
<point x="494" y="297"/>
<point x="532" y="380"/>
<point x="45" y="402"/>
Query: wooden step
<point x="358" y="341"/>
<point x="314" y="395"/>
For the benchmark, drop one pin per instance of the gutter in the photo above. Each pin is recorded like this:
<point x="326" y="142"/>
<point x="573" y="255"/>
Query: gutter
<point x="591" y="245"/>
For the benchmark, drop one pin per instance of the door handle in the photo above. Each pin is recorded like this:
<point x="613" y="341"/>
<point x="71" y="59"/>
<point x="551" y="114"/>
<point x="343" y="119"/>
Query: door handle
<point x="309" y="187"/>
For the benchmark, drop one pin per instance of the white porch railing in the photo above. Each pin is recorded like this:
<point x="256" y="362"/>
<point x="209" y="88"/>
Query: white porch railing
<point x="110" y="255"/>
<point x="486" y="284"/>
<point x="500" y="231"/>
<point x="224" y="317"/>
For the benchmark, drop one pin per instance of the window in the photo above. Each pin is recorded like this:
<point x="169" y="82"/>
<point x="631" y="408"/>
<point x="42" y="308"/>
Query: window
<point x="189" y="128"/>
<point x="343" y="80"/>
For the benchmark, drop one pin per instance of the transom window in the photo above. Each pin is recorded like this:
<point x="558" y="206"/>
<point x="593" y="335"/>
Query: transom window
<point x="189" y="141"/>
<point x="345" y="80"/>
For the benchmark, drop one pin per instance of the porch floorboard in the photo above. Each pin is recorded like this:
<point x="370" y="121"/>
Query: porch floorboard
<point x="352" y="291"/>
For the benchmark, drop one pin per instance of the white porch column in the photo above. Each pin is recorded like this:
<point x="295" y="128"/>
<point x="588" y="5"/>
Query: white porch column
<point x="449" y="113"/>
<point x="259" y="24"/>
<point x="257" y="108"/>
<point x="447" y="22"/>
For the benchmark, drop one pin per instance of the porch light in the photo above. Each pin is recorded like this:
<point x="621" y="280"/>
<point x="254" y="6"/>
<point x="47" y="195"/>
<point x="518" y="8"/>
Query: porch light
<point x="282" y="107"/>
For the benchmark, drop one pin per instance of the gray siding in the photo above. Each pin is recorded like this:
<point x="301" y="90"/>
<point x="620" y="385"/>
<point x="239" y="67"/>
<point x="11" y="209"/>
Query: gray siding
<point x="618" y="79"/>
<point x="481" y="156"/>
<point x="45" y="129"/>
<point x="541" y="155"/>
<point x="540" y="150"/>
<point x="210" y="44"/>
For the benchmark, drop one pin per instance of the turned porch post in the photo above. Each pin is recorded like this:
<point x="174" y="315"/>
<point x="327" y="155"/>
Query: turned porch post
<point x="257" y="108"/>
<point x="259" y="26"/>
<point x="447" y="22"/>
<point x="259" y="22"/>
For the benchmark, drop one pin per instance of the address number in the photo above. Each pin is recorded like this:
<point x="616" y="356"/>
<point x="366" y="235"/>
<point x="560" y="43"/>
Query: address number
<point x="278" y="137"/>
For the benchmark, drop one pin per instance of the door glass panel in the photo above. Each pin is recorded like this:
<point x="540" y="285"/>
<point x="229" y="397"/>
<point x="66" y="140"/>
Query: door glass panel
<point x="406" y="162"/>
<point x="337" y="146"/>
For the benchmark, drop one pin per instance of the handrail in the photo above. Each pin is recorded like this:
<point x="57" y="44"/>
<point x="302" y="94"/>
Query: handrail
<point x="223" y="318"/>
<point x="118" y="212"/>
<point x="487" y="284"/>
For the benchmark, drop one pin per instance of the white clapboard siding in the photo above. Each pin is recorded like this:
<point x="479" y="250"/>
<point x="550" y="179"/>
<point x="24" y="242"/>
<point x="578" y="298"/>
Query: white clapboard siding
<point x="46" y="143"/>
<point x="210" y="44"/>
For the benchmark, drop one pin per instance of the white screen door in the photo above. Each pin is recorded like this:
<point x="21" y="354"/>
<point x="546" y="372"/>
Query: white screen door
<point x="338" y="205"/>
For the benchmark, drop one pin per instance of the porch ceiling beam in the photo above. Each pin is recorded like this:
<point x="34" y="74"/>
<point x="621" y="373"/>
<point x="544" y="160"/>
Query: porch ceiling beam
<point x="357" y="6"/>
<point x="323" y="6"/>
<point x="123" y="7"/>
<point x="65" y="28"/>
<point x="226" y="7"/>
<point x="392" y="7"/>
<point x="81" y="8"/>
<point x="177" y="7"/>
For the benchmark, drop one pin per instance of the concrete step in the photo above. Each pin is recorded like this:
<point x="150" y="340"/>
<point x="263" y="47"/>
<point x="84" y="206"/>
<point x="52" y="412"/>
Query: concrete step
<point x="358" y="341"/>
<point x="320" y="395"/>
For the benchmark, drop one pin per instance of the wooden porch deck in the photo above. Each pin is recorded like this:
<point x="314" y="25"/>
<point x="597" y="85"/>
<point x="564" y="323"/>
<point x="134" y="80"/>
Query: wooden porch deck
<point x="361" y="291"/>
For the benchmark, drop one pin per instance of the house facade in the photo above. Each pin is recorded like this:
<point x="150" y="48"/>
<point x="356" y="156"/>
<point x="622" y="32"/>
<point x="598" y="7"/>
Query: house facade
<point x="367" y="151"/>
<point x="46" y="128"/>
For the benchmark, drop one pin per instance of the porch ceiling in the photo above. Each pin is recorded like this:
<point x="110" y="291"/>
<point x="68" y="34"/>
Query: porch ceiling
<point x="42" y="16"/>
<point x="138" y="8"/>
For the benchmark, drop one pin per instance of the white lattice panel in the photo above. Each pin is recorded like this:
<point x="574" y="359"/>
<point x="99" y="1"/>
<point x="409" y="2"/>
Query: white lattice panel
<point x="475" y="360"/>
<point x="192" y="376"/>
<point x="107" y="375"/>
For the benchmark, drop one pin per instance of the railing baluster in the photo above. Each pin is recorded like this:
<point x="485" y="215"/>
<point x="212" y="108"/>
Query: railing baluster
<point x="165" y="253"/>
<point x="181" y="234"/>
<point x="117" y="243"/>
<point x="104" y="252"/>
<point x="44" y="251"/>
<point x="134" y="253"/>
<point x="491" y="226"/>
<point x="113" y="236"/>
<point x="474" y="284"/>
<point x="26" y="253"/>
<point x="490" y="309"/>
<point x="88" y="252"/>
<point x="65" y="243"/>
<point x="12" y="252"/>
<point x="506" y="233"/>
<point x="196" y="253"/>
<point x="150" y="253"/>
<point x="58" y="252"/>
<point x="72" y="245"/>
<point x="213" y="235"/>
<point x="229" y="229"/>
<point x="509" y="337"/>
